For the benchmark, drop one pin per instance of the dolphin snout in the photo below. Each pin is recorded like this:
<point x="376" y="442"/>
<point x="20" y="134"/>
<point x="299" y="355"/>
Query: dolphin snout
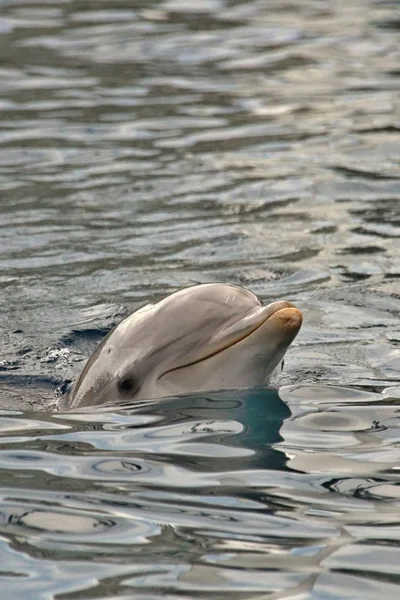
<point x="289" y="318"/>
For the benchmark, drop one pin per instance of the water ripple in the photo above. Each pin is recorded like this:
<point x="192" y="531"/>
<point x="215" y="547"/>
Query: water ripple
<point x="149" y="147"/>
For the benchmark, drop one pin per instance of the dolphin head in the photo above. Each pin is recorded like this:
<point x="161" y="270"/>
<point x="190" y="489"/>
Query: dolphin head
<point x="201" y="338"/>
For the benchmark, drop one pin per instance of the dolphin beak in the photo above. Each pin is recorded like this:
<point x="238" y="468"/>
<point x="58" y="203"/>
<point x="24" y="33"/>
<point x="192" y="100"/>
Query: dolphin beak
<point x="287" y="320"/>
<point x="281" y="321"/>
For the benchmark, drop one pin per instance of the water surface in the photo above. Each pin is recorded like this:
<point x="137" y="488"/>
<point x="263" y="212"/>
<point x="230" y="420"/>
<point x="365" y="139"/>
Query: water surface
<point x="146" y="146"/>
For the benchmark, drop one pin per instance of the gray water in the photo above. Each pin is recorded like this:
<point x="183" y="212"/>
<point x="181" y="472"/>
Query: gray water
<point x="145" y="146"/>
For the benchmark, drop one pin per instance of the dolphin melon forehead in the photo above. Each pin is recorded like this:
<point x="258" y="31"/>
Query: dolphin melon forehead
<point x="211" y="303"/>
<point x="192" y="323"/>
<point x="187" y="319"/>
<point x="222" y="297"/>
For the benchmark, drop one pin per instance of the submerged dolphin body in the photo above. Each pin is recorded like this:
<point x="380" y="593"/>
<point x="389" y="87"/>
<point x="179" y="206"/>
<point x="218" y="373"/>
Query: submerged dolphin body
<point x="206" y="337"/>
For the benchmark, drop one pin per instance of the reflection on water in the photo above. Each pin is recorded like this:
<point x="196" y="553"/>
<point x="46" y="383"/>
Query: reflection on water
<point x="148" y="146"/>
<point x="213" y="495"/>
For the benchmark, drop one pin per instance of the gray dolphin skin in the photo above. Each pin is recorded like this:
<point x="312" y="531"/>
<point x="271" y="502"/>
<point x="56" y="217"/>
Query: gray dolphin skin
<point x="202" y="338"/>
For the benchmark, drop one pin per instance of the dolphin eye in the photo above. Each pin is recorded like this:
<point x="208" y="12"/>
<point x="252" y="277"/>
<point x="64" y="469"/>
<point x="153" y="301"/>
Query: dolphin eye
<point x="128" y="386"/>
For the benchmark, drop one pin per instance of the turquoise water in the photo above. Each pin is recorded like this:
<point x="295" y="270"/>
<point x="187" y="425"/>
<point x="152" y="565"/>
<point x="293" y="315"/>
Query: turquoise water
<point x="148" y="146"/>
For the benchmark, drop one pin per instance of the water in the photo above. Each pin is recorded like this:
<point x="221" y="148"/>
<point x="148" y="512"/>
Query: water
<point x="147" y="146"/>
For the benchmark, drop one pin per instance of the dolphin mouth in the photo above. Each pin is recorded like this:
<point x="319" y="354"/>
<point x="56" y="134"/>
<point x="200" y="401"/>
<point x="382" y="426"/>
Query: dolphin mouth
<point x="283" y="317"/>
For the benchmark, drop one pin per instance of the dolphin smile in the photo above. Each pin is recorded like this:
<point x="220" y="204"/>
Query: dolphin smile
<point x="289" y="316"/>
<point x="205" y="337"/>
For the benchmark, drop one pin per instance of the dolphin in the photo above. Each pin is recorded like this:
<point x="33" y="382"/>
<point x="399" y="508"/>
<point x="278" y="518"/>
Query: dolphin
<point x="201" y="338"/>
